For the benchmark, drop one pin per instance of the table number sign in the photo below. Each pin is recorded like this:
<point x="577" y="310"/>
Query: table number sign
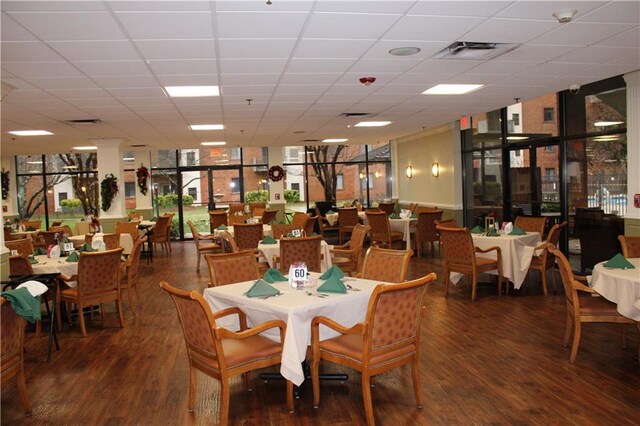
<point x="14" y="252"/>
<point x="68" y="247"/>
<point x="298" y="275"/>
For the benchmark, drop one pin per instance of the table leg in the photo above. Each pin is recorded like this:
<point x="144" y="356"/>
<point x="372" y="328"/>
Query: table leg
<point x="53" y="336"/>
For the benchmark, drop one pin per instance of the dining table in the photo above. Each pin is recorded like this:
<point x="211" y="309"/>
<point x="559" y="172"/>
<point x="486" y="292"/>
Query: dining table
<point x="296" y="308"/>
<point x="50" y="265"/>
<point x="269" y="251"/>
<point x="516" y="250"/>
<point x="400" y="224"/>
<point x="126" y="241"/>
<point x="620" y="286"/>
<point x="26" y="234"/>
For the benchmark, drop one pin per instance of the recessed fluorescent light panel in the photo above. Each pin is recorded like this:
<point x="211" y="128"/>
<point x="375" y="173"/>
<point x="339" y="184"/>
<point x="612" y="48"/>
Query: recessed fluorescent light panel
<point x="207" y="126"/>
<point x="192" y="91"/>
<point x="599" y="123"/>
<point x="30" y="132"/>
<point x="85" y="148"/>
<point x="334" y="140"/>
<point x="34" y="162"/>
<point x="373" y="123"/>
<point x="213" y="143"/>
<point x="452" y="89"/>
<point x="517" y="138"/>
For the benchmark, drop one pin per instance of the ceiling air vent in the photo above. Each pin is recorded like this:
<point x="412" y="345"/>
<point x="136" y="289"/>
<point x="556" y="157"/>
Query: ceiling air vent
<point x="354" y="114"/>
<point x="84" y="122"/>
<point x="138" y="146"/>
<point x="467" y="50"/>
<point x="311" y="140"/>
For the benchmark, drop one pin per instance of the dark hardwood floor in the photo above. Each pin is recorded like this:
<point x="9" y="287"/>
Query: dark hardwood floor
<point x="499" y="360"/>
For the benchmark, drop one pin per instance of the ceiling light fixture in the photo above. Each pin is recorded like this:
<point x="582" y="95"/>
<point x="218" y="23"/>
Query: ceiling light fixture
<point x="517" y="138"/>
<point x="30" y="132"/>
<point x="220" y="143"/>
<point x="34" y="162"/>
<point x="452" y="89"/>
<point x="404" y="51"/>
<point x="599" y="123"/>
<point x="85" y="148"/>
<point x="334" y="140"/>
<point x="372" y="123"/>
<point x="608" y="138"/>
<point x="192" y="91"/>
<point x="207" y="126"/>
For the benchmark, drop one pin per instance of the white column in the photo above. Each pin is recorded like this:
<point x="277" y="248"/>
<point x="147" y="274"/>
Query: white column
<point x="110" y="162"/>
<point x="276" y="189"/>
<point x="633" y="141"/>
<point x="11" y="203"/>
<point x="143" y="158"/>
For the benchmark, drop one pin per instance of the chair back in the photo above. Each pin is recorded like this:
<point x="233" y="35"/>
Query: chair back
<point x="388" y="208"/>
<point x="198" y="327"/>
<point x="630" y="246"/>
<point x="168" y="228"/>
<point x="571" y="294"/>
<point x="448" y="223"/>
<point x="111" y="241"/>
<point x="64" y="229"/>
<point x="130" y="228"/>
<point x="457" y="246"/>
<point x="532" y="223"/>
<point x="163" y="225"/>
<point x="257" y="212"/>
<point x="49" y="237"/>
<point x="228" y="242"/>
<point x="347" y="218"/>
<point x="99" y="272"/>
<point x="380" y="227"/>
<point x="357" y="237"/>
<point x="11" y="338"/>
<point x="257" y="205"/>
<point x="194" y="232"/>
<point x="400" y="305"/>
<point x="305" y="249"/>
<point x="426" y="209"/>
<point x="386" y="265"/>
<point x="19" y="265"/>
<point x="23" y="246"/>
<point x="35" y="224"/>
<point x="248" y="235"/>
<point x="553" y="238"/>
<point x="55" y="224"/>
<point x="300" y="220"/>
<point x="426" y="226"/>
<point x="413" y="207"/>
<point x="269" y="215"/>
<point x="230" y="268"/>
<point x="82" y="227"/>
<point x="278" y="230"/>
<point x="236" y="208"/>
<point x="237" y="219"/>
<point x="217" y="218"/>
<point x="135" y="217"/>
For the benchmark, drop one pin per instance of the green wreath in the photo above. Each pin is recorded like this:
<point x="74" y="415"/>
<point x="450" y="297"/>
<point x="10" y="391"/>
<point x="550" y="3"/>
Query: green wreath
<point x="108" y="190"/>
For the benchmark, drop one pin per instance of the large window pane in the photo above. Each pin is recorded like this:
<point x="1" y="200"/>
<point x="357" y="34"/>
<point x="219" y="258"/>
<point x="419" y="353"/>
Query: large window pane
<point x="29" y="164"/>
<point x="533" y="119"/>
<point x="486" y="131"/>
<point x="31" y="197"/>
<point x="484" y="194"/>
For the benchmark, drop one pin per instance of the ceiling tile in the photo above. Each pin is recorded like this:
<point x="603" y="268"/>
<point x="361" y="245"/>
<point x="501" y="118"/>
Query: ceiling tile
<point x="181" y="5"/>
<point x="380" y="50"/>
<point x="28" y="51"/>
<point x="252" y="48"/>
<point x="49" y="83"/>
<point x="531" y="52"/>
<point x="543" y="10"/>
<point x="458" y="8"/>
<point x="189" y="80"/>
<point x="177" y="49"/>
<point x="52" y="6"/>
<point x="41" y="69"/>
<point x="348" y="25"/>
<point x="319" y="65"/>
<point x="393" y="7"/>
<point x="595" y="54"/>
<point x="259" y="25"/>
<point x="614" y="12"/>
<point x="309" y="78"/>
<point x="432" y="28"/>
<point x="71" y="25"/>
<point x="183" y="66"/>
<point x="391" y="65"/>
<point x="582" y="34"/>
<point x="113" y="68"/>
<point x="625" y="39"/>
<point x="167" y="25"/>
<point x="121" y="50"/>
<point x="114" y="82"/>
<point x="239" y="66"/>
<point x="510" y="31"/>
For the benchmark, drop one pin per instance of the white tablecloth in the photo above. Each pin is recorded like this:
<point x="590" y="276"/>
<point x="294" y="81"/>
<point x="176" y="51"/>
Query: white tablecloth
<point x="404" y="226"/>
<point x="621" y="286"/>
<point x="517" y="252"/>
<point x="296" y="309"/>
<point x="25" y="234"/>
<point x="271" y="250"/>
<point x="47" y="265"/>
<point x="266" y="230"/>
<point x="126" y="241"/>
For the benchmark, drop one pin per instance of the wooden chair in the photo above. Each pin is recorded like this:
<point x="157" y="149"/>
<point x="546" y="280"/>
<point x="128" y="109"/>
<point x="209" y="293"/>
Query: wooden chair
<point x="347" y="256"/>
<point x="323" y="223"/>
<point x="130" y="228"/>
<point x="269" y="216"/>
<point x="230" y="268"/>
<point x="98" y="282"/>
<point x="236" y="208"/>
<point x="426" y="209"/>
<point x="217" y="218"/>
<point x="300" y="220"/>
<point x="257" y="205"/>
<point x="413" y="207"/>
<point x="248" y="236"/>
<point x="111" y="241"/>
<point x="35" y="224"/>
<point x="23" y="246"/>
<point x="221" y="353"/>
<point x="130" y="281"/>
<point x="532" y="224"/>
<point x="19" y="265"/>
<point x="278" y="230"/>
<point x="584" y="309"/>
<point x="373" y="346"/>
<point x="168" y="229"/>
<point x="135" y="217"/>
<point x="55" y="224"/>
<point x="49" y="237"/>
<point x="347" y="221"/>
<point x="257" y="212"/>
<point x="306" y="249"/>
<point x="546" y="260"/>
<point x="228" y="242"/>
<point x="388" y="208"/>
<point x="237" y="219"/>
<point x="64" y="229"/>
<point x="448" y="223"/>
<point x="381" y="232"/>
<point x="7" y="234"/>
<point x="386" y="265"/>
<point x="160" y="233"/>
<point x="459" y="255"/>
<point x="426" y="231"/>
<point x="12" y="351"/>
<point x="630" y="246"/>
<point x="202" y="248"/>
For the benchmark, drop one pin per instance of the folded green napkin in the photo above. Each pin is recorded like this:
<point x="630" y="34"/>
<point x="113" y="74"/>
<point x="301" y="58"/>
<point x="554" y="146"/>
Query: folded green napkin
<point x="492" y="233"/>
<point x="477" y="230"/>
<point x="517" y="231"/>
<point x="86" y="247"/>
<point x="619" y="262"/>
<point x="32" y="260"/>
<point x="73" y="257"/>
<point x="334" y="271"/>
<point x="260" y="289"/>
<point x="269" y="240"/>
<point x="30" y="228"/>
<point x="332" y="285"/>
<point x="273" y="275"/>
<point x="394" y="215"/>
<point x="39" y="251"/>
<point x="329" y="212"/>
<point x="23" y="303"/>
<point x="222" y="227"/>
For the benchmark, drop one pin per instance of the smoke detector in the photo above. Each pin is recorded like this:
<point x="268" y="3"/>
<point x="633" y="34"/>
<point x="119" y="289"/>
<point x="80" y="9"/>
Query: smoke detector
<point x="565" y="15"/>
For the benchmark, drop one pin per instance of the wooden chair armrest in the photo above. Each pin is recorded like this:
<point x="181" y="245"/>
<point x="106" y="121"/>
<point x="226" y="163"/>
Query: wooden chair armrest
<point x="581" y="279"/>
<point x="230" y="311"/>
<point x="496" y="248"/>
<point x="356" y="329"/>
<point x="581" y="287"/>
<point x="543" y="245"/>
<point x="224" y="333"/>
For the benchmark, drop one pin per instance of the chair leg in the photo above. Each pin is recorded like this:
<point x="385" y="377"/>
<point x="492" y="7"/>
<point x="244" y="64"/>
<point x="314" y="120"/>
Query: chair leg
<point x="130" y="296"/>
<point x="290" y="396"/>
<point x="446" y="282"/>
<point x="247" y="381"/>
<point x="366" y="396"/>
<point x="83" y="328"/>
<point x="576" y="341"/>
<point x="315" y="378"/>
<point x="22" y="390"/>
<point x="416" y="381"/>
<point x="543" y="273"/>
<point x="567" y="330"/>
<point x="198" y="267"/>
<point x="474" y="285"/>
<point x="193" y="387"/>
<point x="120" y="312"/>
<point x="224" y="403"/>
<point x="624" y="335"/>
<point x="553" y="280"/>
<point x="101" y="313"/>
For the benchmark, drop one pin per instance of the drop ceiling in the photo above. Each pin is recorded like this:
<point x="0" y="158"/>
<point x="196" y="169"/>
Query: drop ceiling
<point x="298" y="61"/>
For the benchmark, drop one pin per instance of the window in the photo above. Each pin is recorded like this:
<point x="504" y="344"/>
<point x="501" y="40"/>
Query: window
<point x="129" y="189"/>
<point x="62" y="196"/>
<point x="340" y="182"/>
<point x="549" y="173"/>
<point x="235" y="185"/>
<point x="550" y="148"/>
<point x="193" y="192"/>
<point x="368" y="182"/>
<point x="235" y="153"/>
<point x="548" y="115"/>
<point x="295" y="186"/>
<point x="516" y="119"/>
<point x="191" y="158"/>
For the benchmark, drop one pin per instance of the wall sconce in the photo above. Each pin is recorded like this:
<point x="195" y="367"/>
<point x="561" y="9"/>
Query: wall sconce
<point x="377" y="174"/>
<point x="435" y="169"/>
<point x="409" y="171"/>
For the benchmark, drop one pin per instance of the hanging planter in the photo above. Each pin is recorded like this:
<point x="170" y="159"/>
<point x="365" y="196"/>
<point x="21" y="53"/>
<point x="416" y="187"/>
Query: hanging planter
<point x="5" y="184"/>
<point x="142" y="174"/>
<point x="108" y="190"/>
